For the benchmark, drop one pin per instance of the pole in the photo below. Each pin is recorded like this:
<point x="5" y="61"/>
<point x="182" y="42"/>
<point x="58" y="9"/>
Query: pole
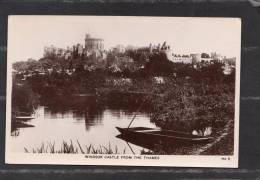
<point x="130" y="148"/>
<point x="135" y="115"/>
<point x="132" y="121"/>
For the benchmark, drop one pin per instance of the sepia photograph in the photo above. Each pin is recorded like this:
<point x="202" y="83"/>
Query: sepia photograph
<point x="115" y="90"/>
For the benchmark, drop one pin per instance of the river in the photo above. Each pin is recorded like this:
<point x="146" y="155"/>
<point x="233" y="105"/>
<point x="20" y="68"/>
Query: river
<point x="87" y="126"/>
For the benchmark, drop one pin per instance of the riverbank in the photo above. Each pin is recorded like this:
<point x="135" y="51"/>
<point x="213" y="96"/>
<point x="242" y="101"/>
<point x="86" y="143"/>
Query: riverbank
<point x="223" y="145"/>
<point x="177" y="104"/>
<point x="174" y="103"/>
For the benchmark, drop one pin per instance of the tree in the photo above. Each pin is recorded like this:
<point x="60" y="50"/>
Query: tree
<point x="159" y="65"/>
<point x="205" y="55"/>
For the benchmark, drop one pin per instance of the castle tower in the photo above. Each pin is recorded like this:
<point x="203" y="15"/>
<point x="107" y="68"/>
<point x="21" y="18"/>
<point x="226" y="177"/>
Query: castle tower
<point x="93" y="44"/>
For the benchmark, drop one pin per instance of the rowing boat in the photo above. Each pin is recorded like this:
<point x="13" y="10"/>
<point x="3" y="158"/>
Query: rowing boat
<point x="152" y="134"/>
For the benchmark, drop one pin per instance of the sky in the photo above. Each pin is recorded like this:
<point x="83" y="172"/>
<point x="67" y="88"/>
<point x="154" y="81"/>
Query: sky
<point x="27" y="35"/>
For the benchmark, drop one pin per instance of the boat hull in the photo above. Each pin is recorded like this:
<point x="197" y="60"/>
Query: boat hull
<point x="152" y="135"/>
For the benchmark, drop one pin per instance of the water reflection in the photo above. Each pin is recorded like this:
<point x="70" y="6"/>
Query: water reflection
<point x="155" y="145"/>
<point x="93" y="116"/>
<point x="17" y="124"/>
<point x="15" y="131"/>
<point x="89" y="124"/>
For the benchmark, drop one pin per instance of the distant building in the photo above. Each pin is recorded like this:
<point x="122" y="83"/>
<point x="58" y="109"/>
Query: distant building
<point x="94" y="50"/>
<point x="230" y="61"/>
<point x="93" y="44"/>
<point x="52" y="51"/>
<point x="227" y="69"/>
<point x="49" y="51"/>
<point x="177" y="58"/>
<point x="94" y="47"/>
<point x="80" y="49"/>
<point x="61" y="52"/>
<point x="67" y="55"/>
<point x="167" y="50"/>
<point x="216" y="56"/>
<point x="209" y="59"/>
<point x="195" y="58"/>
<point x="119" y="49"/>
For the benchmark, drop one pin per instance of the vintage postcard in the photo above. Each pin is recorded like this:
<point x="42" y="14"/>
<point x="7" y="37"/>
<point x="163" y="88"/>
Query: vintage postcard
<point x="114" y="90"/>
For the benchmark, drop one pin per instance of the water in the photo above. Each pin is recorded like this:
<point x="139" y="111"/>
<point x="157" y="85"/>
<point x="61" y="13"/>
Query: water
<point x="88" y="126"/>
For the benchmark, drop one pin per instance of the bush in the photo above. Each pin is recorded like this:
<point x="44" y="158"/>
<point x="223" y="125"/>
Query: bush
<point x="189" y="106"/>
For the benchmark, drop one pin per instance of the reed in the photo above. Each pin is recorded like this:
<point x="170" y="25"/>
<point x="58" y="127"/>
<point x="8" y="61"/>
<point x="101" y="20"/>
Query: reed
<point x="74" y="148"/>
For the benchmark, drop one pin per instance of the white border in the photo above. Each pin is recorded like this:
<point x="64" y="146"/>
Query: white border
<point x="164" y="160"/>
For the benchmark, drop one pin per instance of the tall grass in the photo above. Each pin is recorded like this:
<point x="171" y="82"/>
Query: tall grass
<point x="74" y="148"/>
